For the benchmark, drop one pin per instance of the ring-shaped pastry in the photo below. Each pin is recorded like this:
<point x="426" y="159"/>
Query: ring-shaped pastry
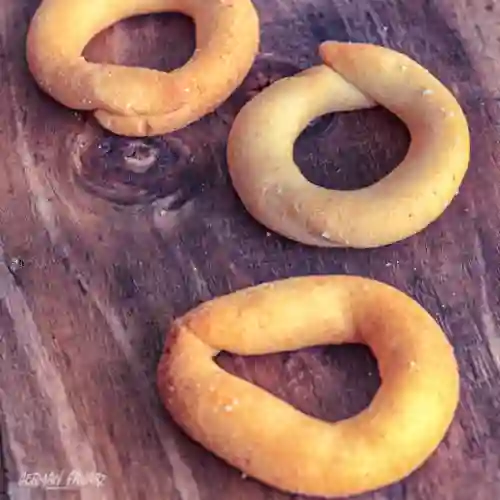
<point x="135" y="101"/>
<point x="272" y="441"/>
<point x="354" y="76"/>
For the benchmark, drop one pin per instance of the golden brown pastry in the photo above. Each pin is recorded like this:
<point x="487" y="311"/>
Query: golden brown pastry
<point x="353" y="76"/>
<point x="279" y="445"/>
<point x="139" y="101"/>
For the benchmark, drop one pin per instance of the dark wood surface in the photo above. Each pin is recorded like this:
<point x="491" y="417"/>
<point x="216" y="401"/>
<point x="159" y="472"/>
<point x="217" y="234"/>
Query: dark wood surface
<point x="104" y="240"/>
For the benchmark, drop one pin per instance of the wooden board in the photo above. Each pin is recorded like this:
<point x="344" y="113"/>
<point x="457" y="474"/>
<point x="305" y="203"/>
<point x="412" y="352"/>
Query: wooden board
<point x="104" y="240"/>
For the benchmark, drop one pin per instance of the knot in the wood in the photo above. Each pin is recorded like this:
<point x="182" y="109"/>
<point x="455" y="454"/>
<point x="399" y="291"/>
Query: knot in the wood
<point x="131" y="171"/>
<point x="139" y="157"/>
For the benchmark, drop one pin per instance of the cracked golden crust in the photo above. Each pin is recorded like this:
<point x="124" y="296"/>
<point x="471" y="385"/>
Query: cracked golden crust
<point x="140" y="101"/>
<point x="284" y="447"/>
<point x="353" y="76"/>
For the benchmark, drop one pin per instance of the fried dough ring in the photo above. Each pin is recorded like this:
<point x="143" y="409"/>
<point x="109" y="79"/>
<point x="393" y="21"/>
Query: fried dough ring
<point x="354" y="76"/>
<point x="277" y="444"/>
<point x="139" y="101"/>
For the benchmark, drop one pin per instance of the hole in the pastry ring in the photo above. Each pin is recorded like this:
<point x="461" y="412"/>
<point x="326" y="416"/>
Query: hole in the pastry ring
<point x="163" y="42"/>
<point x="356" y="149"/>
<point x="331" y="383"/>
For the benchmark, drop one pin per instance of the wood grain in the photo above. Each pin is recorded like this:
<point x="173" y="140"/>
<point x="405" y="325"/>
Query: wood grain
<point x="104" y="240"/>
